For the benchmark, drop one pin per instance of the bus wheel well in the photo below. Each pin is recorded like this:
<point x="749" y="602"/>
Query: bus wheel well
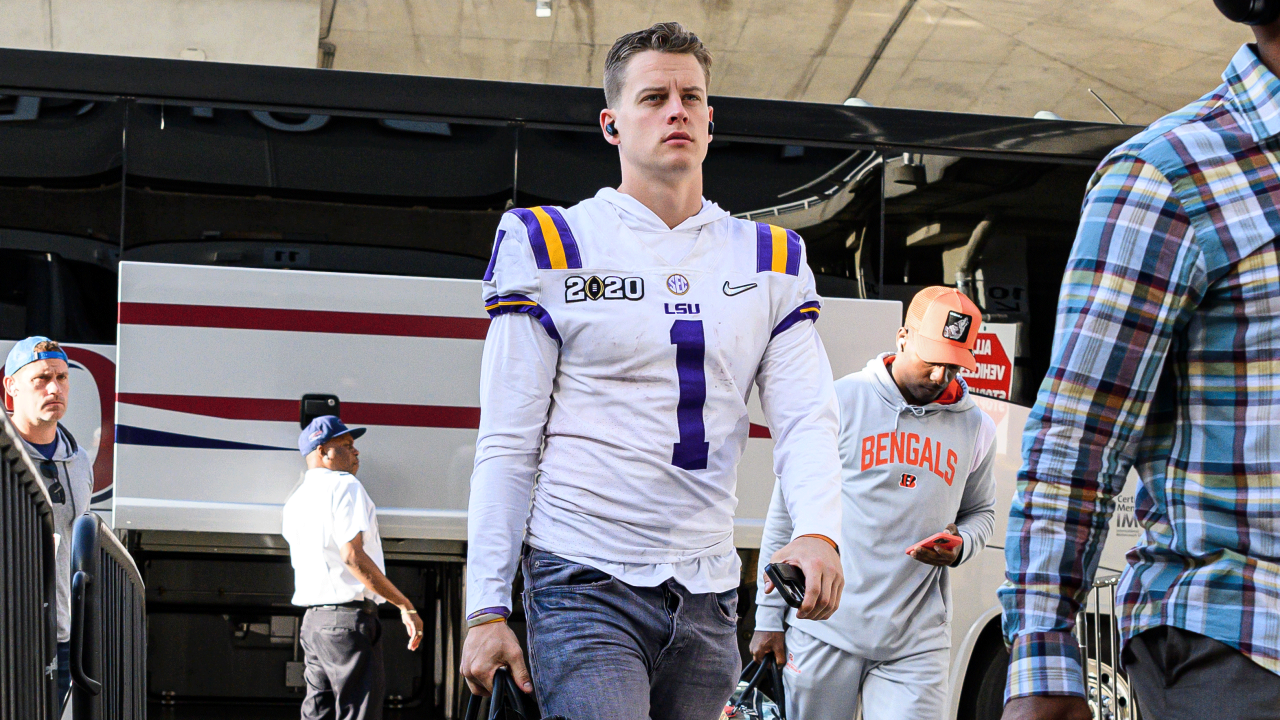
<point x="982" y="694"/>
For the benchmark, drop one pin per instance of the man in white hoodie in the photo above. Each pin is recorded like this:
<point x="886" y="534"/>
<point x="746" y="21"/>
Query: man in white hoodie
<point x="627" y="334"/>
<point x="917" y="455"/>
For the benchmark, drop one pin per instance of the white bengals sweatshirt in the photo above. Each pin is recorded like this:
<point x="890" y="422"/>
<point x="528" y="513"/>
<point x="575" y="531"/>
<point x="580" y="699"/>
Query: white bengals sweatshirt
<point x="908" y="471"/>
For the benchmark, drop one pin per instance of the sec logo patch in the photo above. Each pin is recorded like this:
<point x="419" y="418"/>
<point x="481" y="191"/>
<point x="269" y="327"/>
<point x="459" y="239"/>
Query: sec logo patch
<point x="678" y="284"/>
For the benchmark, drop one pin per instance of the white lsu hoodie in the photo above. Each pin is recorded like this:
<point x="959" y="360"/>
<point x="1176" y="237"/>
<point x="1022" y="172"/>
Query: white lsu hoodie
<point x="907" y="472"/>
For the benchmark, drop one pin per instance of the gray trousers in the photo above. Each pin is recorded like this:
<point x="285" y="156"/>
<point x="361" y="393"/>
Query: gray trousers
<point x="1181" y="675"/>
<point x="342" y="651"/>
<point x="825" y="683"/>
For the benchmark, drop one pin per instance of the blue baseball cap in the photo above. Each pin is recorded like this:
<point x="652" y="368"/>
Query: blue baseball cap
<point x="24" y="353"/>
<point x="323" y="429"/>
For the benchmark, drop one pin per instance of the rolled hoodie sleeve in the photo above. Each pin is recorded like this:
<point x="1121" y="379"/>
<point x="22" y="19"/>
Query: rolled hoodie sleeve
<point x="976" y="519"/>
<point x="1134" y="276"/>
<point x="517" y="374"/>
<point x="799" y="401"/>
<point x="771" y="609"/>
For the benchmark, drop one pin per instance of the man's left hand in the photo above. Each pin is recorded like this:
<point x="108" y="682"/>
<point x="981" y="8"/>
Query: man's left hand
<point x="412" y="625"/>
<point x="940" y="557"/>
<point x="823" y="575"/>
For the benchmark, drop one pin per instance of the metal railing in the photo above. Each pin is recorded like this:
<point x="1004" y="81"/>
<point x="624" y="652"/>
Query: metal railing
<point x="108" y="627"/>
<point x="28" y="576"/>
<point x="1106" y="686"/>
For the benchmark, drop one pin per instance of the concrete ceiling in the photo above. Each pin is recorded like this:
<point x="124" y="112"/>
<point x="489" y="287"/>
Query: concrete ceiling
<point x="1009" y="57"/>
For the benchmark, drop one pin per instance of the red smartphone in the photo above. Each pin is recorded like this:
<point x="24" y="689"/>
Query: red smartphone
<point x="942" y="540"/>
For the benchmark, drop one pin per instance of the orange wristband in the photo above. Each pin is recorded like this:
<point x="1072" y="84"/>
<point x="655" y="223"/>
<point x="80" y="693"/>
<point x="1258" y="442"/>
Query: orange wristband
<point x="830" y="542"/>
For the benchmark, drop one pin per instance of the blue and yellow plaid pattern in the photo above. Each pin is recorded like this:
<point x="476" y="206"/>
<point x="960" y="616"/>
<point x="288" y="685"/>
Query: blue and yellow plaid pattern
<point x="1166" y="357"/>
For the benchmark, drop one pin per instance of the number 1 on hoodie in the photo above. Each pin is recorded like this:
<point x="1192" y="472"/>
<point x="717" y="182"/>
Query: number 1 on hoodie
<point x="690" y="453"/>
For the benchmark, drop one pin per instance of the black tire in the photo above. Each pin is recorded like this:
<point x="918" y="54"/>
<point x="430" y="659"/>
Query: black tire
<point x="988" y="700"/>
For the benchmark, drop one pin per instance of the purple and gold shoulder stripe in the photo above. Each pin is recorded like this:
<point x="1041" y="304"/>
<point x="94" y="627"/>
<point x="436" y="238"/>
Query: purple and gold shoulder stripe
<point x="504" y="304"/>
<point x="777" y="249"/>
<point x="554" y="246"/>
<point x="808" y="311"/>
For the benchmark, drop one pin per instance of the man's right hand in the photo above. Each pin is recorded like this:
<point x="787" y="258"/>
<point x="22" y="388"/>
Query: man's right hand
<point x="1047" y="707"/>
<point x="487" y="648"/>
<point x="764" y="642"/>
<point x="823" y="575"/>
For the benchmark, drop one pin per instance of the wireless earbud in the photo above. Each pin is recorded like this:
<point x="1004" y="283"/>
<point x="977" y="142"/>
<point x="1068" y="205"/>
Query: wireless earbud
<point x="609" y="128"/>
<point x="711" y="128"/>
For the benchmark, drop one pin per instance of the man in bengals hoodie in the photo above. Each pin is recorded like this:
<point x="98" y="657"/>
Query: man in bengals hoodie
<point x="917" y="457"/>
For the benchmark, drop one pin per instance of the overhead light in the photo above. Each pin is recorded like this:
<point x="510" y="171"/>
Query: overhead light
<point x="910" y="172"/>
<point x="542" y="9"/>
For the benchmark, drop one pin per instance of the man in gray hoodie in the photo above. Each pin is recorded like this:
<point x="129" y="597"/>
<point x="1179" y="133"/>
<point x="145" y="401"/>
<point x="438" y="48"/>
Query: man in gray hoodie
<point x="917" y="457"/>
<point x="37" y="388"/>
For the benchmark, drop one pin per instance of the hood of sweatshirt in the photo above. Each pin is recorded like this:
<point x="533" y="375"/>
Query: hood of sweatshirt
<point x="954" y="399"/>
<point x="637" y="216"/>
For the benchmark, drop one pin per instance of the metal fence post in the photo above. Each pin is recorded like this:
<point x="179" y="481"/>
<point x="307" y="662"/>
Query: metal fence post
<point x="28" y="574"/>
<point x="108" y="627"/>
<point x="1109" y="695"/>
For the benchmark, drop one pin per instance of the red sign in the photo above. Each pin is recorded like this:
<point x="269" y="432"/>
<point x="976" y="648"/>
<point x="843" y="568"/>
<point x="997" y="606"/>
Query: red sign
<point x="994" y="374"/>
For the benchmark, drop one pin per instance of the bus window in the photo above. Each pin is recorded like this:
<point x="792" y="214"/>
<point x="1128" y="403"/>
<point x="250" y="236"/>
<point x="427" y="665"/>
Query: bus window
<point x="248" y="188"/>
<point x="998" y="229"/>
<point x="42" y="293"/>
<point x="59" y="218"/>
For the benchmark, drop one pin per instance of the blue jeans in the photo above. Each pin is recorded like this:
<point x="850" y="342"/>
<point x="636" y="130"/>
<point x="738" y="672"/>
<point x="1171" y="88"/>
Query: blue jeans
<point x="600" y="649"/>
<point x="64" y="673"/>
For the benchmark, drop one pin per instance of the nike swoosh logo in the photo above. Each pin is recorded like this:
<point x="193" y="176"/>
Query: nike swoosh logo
<point x="731" y="290"/>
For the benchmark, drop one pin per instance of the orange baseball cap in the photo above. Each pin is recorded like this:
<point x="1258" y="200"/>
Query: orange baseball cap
<point x="946" y="323"/>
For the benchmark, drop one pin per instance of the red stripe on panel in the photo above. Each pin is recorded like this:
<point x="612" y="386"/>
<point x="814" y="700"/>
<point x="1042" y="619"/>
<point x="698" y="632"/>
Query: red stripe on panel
<point x="387" y="414"/>
<point x="317" y="321"/>
<point x="759" y="431"/>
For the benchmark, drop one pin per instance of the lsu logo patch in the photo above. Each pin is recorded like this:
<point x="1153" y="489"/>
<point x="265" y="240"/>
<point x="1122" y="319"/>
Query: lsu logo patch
<point x="908" y="480"/>
<point x="957" y="327"/>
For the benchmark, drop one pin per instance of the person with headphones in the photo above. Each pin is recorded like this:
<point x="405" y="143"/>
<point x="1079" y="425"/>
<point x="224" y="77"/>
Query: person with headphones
<point x="37" y="388"/>
<point x="628" y="332"/>
<point x="1164" y="360"/>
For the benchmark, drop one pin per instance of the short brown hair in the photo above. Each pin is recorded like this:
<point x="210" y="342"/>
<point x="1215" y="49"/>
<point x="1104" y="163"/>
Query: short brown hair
<point x="667" y="37"/>
<point x="47" y="346"/>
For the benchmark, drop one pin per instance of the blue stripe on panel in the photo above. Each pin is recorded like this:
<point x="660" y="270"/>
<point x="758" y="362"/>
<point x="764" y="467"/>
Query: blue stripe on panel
<point x="129" y="435"/>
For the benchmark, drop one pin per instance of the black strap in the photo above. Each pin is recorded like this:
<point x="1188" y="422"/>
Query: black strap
<point x="752" y="674"/>
<point x="506" y="697"/>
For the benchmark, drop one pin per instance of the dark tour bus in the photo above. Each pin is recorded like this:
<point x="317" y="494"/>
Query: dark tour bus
<point x="110" y="159"/>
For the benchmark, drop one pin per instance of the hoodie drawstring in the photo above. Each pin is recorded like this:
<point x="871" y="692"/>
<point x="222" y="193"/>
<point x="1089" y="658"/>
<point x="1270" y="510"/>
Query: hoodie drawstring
<point x="919" y="412"/>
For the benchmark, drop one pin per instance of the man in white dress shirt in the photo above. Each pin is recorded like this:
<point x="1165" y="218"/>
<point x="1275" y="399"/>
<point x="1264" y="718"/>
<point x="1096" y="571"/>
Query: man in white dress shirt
<point x="339" y="576"/>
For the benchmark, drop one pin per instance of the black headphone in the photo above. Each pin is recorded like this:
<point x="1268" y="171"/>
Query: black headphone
<point x="1250" y="12"/>
<point x="609" y="128"/>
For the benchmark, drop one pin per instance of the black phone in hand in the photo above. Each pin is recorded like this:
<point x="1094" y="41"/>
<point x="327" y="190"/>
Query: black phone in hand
<point x="788" y="580"/>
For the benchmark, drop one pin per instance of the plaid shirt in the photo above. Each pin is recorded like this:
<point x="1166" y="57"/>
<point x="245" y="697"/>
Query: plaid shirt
<point x="1166" y="358"/>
